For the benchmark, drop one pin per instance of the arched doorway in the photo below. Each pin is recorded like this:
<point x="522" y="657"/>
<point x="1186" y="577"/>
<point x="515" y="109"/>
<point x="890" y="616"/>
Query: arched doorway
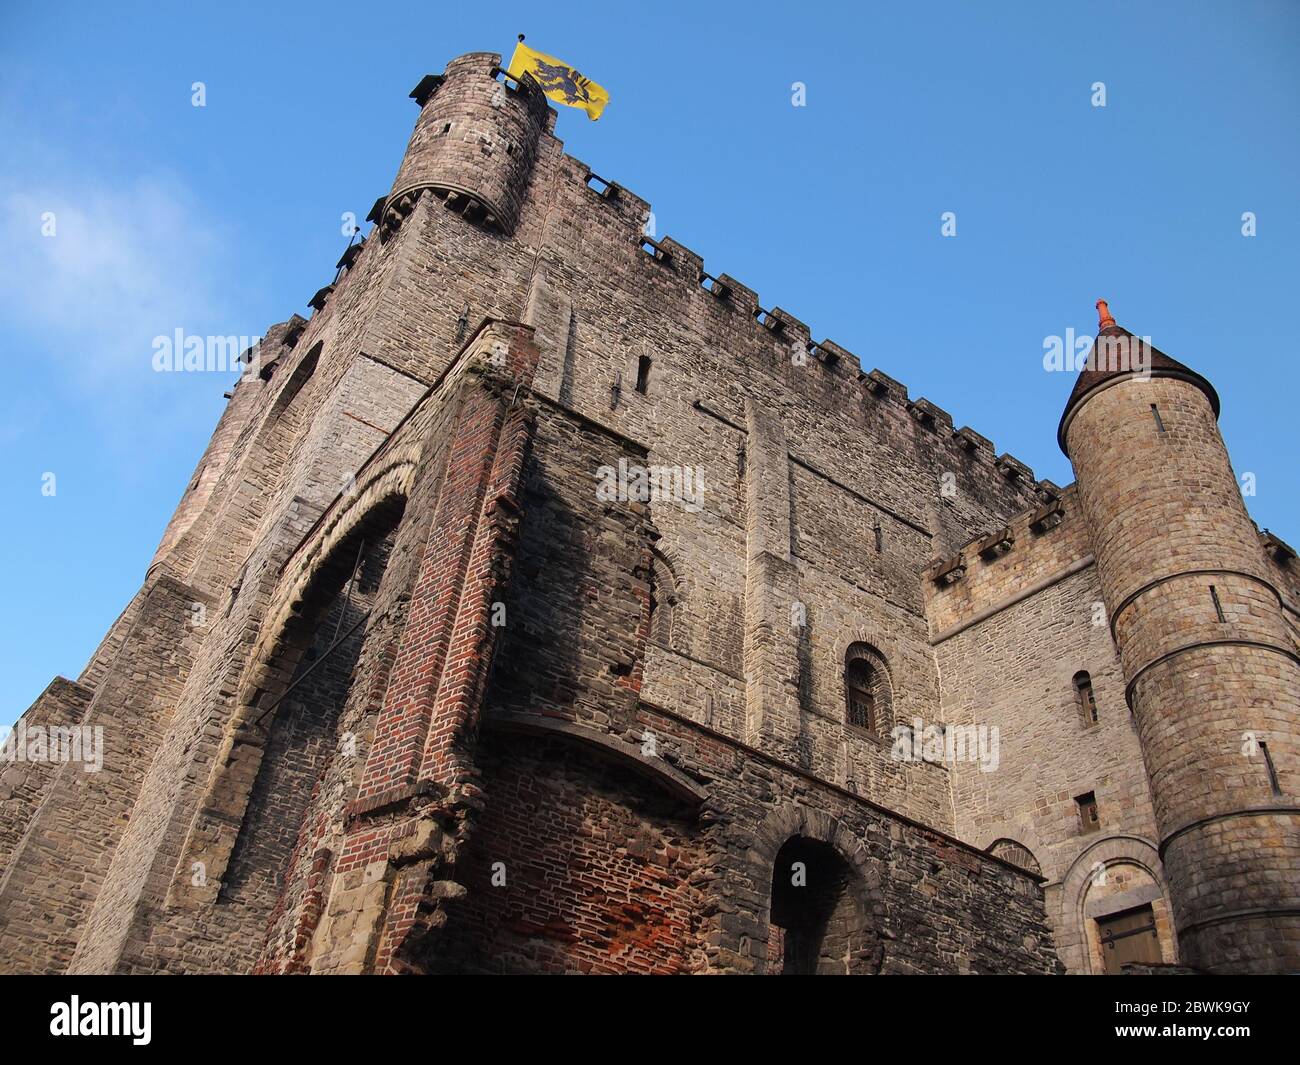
<point x="819" y="922"/>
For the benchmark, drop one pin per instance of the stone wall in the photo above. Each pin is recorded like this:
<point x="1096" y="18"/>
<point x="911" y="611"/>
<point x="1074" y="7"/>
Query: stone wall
<point x="1010" y="637"/>
<point x="660" y="682"/>
<point x="24" y="784"/>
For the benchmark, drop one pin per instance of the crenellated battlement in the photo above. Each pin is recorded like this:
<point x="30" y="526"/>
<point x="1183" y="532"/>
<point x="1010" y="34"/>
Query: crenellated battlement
<point x="475" y="146"/>
<point x="794" y="336"/>
<point x="1029" y="552"/>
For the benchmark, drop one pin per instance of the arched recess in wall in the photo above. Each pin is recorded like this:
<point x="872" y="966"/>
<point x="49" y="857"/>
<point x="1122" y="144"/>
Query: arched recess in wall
<point x="545" y="782"/>
<point x="284" y="735"/>
<point x="868" y="692"/>
<point x="835" y="928"/>
<point x="285" y="422"/>
<point x="302" y="373"/>
<point x="320" y="648"/>
<point x="819" y="921"/>
<point x="1009" y="850"/>
<point x="1118" y="877"/>
<point x="664" y="601"/>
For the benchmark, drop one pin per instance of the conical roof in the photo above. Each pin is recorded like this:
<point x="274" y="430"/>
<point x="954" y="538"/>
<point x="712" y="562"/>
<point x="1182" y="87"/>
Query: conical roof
<point x="1117" y="353"/>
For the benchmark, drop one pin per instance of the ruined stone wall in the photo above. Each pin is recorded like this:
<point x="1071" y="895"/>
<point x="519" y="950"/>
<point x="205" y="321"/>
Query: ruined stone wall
<point x="593" y="869"/>
<point x="336" y="409"/>
<point x="173" y="926"/>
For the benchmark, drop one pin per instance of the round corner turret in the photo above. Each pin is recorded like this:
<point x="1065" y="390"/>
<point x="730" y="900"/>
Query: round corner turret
<point x="474" y="144"/>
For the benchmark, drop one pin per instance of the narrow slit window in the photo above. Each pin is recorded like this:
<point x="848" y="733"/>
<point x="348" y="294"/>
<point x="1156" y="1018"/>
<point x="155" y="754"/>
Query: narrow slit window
<point x="1272" y="769"/>
<point x="643" y="374"/>
<point x="1087" y="698"/>
<point x="1155" y="413"/>
<point x="1218" y="606"/>
<point x="880" y="537"/>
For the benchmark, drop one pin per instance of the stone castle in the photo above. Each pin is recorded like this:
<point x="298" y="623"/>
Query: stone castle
<point x="545" y="603"/>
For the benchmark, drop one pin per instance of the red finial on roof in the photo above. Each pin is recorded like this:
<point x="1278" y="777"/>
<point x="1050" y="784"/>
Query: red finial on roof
<point x="1104" y="318"/>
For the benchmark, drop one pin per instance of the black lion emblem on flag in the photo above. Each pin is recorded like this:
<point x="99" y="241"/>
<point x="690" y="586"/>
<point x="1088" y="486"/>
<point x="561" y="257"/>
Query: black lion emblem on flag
<point x="563" y="80"/>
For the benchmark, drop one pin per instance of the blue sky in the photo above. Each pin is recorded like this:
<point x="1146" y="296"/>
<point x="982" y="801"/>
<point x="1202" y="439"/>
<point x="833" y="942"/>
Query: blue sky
<point x="226" y="218"/>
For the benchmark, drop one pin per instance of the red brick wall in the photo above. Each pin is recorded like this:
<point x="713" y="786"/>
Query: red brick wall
<point x="597" y="868"/>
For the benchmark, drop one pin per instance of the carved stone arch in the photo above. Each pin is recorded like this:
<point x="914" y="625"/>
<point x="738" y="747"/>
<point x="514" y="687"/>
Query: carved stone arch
<point x="1076" y="937"/>
<point x="862" y="910"/>
<point x="874" y="637"/>
<point x="1136" y="849"/>
<point x="879" y="639"/>
<point x="647" y="766"/>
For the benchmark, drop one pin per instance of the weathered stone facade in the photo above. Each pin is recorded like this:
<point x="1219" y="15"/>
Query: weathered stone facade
<point x="416" y="683"/>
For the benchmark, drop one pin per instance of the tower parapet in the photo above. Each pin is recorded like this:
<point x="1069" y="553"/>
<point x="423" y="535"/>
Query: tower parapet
<point x="1212" y="677"/>
<point x="474" y="143"/>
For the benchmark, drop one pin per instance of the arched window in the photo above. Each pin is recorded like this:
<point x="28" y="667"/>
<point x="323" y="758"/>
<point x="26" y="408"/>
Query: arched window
<point x="869" y="700"/>
<point x="1086" y="699"/>
<point x="1015" y="853"/>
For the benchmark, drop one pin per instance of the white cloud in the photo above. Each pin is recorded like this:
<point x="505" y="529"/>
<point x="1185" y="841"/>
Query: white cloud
<point x="126" y="263"/>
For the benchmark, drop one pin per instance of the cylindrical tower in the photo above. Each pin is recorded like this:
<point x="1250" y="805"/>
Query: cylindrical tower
<point x="1213" y="679"/>
<point x="474" y="143"/>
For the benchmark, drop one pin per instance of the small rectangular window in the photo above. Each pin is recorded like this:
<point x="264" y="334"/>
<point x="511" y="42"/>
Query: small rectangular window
<point x="1087" y="807"/>
<point x="643" y="374"/>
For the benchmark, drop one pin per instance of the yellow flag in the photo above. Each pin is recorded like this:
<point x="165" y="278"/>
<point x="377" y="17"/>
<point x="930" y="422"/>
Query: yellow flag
<point x="559" y="81"/>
